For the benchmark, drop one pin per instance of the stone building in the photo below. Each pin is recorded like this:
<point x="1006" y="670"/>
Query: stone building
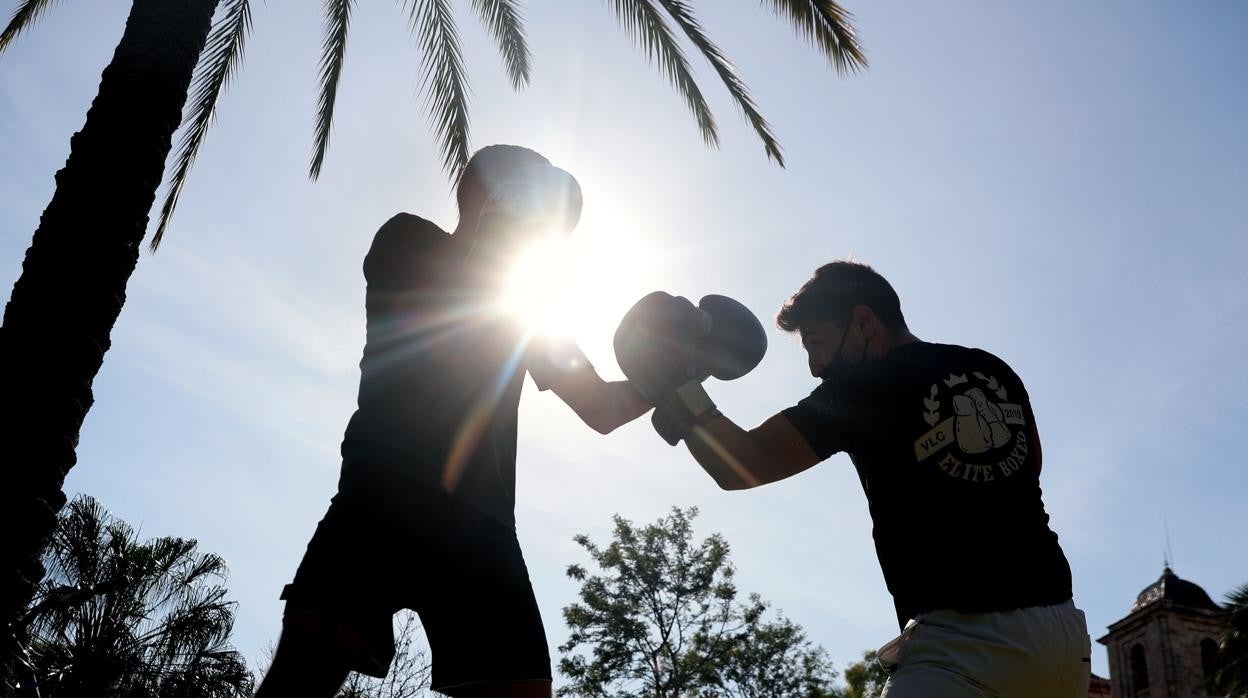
<point x="1163" y="647"/>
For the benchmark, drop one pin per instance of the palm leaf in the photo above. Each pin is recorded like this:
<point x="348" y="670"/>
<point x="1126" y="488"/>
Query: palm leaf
<point x="682" y="13"/>
<point x="444" y="79"/>
<point x="1230" y="669"/>
<point x="218" y="63"/>
<point x="646" y="26"/>
<point x="158" y="624"/>
<point x="24" y="16"/>
<point x="827" y="26"/>
<point x="502" y="17"/>
<point x="333" y="49"/>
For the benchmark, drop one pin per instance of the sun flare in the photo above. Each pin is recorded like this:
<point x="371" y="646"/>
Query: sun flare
<point x="575" y="286"/>
<point x="537" y="286"/>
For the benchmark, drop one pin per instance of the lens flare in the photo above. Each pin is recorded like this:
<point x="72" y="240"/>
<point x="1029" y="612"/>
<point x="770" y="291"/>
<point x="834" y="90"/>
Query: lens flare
<point x="540" y="286"/>
<point x="579" y="286"/>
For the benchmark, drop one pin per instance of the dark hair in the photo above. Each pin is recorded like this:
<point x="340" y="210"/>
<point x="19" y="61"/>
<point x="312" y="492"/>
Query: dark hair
<point x="835" y="290"/>
<point x="488" y="166"/>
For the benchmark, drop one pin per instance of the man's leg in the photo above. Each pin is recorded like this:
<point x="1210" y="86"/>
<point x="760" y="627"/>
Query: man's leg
<point x="479" y="611"/>
<point x="313" y="657"/>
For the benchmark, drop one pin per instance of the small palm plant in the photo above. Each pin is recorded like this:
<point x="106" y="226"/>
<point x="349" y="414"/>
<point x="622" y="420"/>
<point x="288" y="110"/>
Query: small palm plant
<point x="1229" y="675"/>
<point x="117" y="616"/>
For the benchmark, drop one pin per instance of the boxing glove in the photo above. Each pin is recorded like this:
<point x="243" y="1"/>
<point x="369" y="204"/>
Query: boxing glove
<point x="666" y="348"/>
<point x="540" y="196"/>
<point x="736" y="341"/>
<point x="657" y="344"/>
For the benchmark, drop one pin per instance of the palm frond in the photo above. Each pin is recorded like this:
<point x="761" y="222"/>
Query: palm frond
<point x="333" y="49"/>
<point x="218" y="63"/>
<point x="682" y="13"/>
<point x="650" y="31"/>
<point x="444" y="80"/>
<point x="157" y="622"/>
<point x="828" y="27"/>
<point x="1229" y="674"/>
<point x="24" y="16"/>
<point x="502" y="18"/>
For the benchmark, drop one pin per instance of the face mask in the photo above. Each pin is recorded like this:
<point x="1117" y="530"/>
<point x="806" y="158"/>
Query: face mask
<point x="841" y="365"/>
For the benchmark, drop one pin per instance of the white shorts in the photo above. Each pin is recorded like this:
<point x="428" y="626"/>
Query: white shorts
<point x="1042" y="651"/>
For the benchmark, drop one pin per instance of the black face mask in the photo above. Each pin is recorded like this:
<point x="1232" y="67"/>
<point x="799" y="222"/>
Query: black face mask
<point x="840" y="365"/>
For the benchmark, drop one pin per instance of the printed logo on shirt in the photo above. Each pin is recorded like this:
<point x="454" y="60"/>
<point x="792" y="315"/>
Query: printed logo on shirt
<point x="972" y="423"/>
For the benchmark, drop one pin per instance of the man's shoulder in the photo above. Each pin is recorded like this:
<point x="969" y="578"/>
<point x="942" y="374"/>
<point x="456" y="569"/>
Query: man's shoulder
<point x="408" y="228"/>
<point x="954" y="363"/>
<point x="398" y="248"/>
<point x="935" y="351"/>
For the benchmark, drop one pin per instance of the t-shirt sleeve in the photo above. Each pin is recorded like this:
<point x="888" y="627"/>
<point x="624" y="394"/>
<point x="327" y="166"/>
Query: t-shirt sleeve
<point x="824" y="418"/>
<point x="1016" y="391"/>
<point x="394" y="261"/>
<point x="550" y="359"/>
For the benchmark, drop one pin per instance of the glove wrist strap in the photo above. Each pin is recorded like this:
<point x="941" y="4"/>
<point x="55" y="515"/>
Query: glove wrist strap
<point x="676" y="415"/>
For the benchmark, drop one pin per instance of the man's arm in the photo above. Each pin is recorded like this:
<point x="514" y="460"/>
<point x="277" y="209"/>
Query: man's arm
<point x="738" y="459"/>
<point x="603" y="405"/>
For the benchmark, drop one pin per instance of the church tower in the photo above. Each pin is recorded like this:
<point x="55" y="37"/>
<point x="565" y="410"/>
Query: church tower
<point x="1163" y="647"/>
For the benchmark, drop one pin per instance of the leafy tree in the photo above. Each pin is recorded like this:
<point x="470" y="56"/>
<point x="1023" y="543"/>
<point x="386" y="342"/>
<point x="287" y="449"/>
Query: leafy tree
<point x="661" y="617"/>
<point x="864" y="679"/>
<point x="1230" y="667"/>
<point x="58" y="322"/>
<point x="773" y="658"/>
<point x="117" y="616"/>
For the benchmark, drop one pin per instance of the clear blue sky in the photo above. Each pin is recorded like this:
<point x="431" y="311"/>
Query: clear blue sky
<point x="1064" y="184"/>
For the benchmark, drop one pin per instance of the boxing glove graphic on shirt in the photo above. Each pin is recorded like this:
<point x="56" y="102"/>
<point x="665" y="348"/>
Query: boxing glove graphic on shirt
<point x="980" y="423"/>
<point x="968" y="413"/>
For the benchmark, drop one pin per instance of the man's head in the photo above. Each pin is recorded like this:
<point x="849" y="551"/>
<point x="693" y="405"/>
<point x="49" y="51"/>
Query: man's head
<point x="507" y="193"/>
<point x="845" y="313"/>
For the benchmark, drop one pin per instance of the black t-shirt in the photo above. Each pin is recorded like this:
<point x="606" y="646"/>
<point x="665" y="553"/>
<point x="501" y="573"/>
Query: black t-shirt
<point x="442" y="370"/>
<point x="943" y="438"/>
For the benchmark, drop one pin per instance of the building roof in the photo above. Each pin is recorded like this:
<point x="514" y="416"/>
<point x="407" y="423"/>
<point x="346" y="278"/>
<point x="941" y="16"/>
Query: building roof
<point x="1169" y="587"/>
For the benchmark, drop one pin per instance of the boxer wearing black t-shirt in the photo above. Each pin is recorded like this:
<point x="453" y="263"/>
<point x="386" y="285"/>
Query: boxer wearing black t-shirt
<point x="424" y="513"/>
<point x="946" y="448"/>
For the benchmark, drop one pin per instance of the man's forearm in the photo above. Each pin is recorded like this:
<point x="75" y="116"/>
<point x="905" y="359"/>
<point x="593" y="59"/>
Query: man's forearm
<point x="622" y="404"/>
<point x="604" y="406"/>
<point x="726" y="452"/>
<point x="738" y="459"/>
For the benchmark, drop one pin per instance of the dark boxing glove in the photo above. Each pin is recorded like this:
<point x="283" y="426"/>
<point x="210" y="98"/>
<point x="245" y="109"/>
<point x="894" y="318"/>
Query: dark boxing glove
<point x="666" y="348"/>
<point x="736" y="342"/>
<point x="540" y="197"/>
<point x="656" y="344"/>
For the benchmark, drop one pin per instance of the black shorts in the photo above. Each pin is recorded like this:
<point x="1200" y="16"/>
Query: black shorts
<point x="385" y="545"/>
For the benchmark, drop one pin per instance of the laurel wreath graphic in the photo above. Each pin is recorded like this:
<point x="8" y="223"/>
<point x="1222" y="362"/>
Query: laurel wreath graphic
<point x="932" y="415"/>
<point x="992" y="383"/>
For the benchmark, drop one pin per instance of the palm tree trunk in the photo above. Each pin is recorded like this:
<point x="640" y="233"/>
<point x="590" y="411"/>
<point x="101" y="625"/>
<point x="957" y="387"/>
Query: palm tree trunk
<point x="73" y="283"/>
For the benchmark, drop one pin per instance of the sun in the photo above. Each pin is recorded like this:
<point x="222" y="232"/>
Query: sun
<point x="576" y="286"/>
<point x="537" y="286"/>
